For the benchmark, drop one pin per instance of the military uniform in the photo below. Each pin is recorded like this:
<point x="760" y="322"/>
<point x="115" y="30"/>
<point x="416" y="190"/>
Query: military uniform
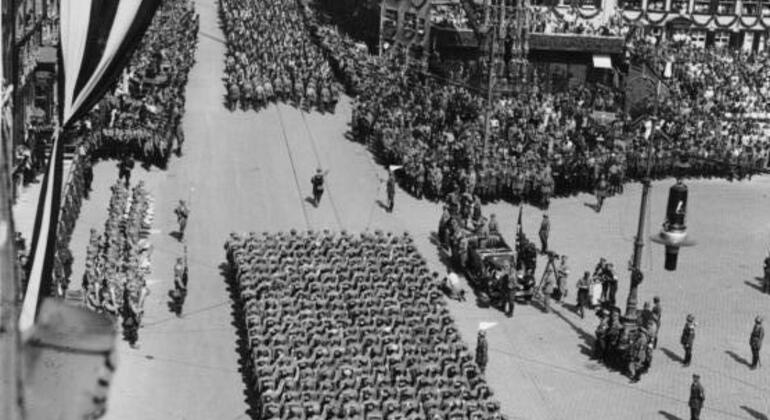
<point x="697" y="397"/>
<point x="755" y="342"/>
<point x="688" y="338"/>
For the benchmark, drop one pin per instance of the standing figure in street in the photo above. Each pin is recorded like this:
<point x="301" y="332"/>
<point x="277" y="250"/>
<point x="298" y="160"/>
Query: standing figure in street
<point x="131" y="319"/>
<point x="601" y="193"/>
<point x="697" y="397"/>
<point x="757" y="335"/>
<point x="561" y="279"/>
<point x="482" y="350"/>
<point x="318" y="185"/>
<point x="766" y="282"/>
<point x="688" y="338"/>
<point x="125" y="167"/>
<point x="545" y="230"/>
<point x="179" y="293"/>
<point x="583" y="294"/>
<point x="182" y="213"/>
<point x="509" y="304"/>
<point x="549" y="283"/>
<point x="656" y="313"/>
<point x="390" y="187"/>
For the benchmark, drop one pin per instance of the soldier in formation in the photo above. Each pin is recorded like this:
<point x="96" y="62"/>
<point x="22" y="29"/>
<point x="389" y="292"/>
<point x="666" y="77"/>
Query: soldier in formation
<point x="351" y="326"/>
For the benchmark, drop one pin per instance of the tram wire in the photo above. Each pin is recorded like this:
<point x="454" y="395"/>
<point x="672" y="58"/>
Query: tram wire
<point x="293" y="167"/>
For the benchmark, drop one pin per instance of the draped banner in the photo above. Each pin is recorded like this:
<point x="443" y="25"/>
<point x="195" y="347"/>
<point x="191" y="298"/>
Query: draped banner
<point x="97" y="40"/>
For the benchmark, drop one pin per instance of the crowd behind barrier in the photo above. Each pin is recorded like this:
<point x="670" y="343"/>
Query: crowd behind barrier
<point x="542" y="142"/>
<point x="350" y="326"/>
<point x="270" y="57"/>
<point x="118" y="260"/>
<point x="142" y="115"/>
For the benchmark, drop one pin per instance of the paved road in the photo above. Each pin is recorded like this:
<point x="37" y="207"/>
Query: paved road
<point x="249" y="171"/>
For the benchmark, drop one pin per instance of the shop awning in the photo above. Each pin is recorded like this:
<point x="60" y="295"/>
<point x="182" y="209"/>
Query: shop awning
<point x="602" y="61"/>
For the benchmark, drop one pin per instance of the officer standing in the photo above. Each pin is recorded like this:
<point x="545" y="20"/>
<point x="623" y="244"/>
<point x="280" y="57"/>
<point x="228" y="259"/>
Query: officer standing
<point x="390" y="187"/>
<point x="545" y="230"/>
<point x="697" y="397"/>
<point x="757" y="335"/>
<point x="318" y="185"/>
<point x="688" y="338"/>
<point x="182" y="213"/>
<point x="482" y="350"/>
<point x="766" y="283"/>
<point x="125" y="167"/>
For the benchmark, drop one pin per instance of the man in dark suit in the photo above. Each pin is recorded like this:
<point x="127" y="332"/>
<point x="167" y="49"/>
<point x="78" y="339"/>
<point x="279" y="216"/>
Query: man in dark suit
<point x="697" y="396"/>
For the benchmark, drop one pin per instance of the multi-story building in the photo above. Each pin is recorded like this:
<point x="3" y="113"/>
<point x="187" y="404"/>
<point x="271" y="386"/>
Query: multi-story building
<point x="33" y="70"/>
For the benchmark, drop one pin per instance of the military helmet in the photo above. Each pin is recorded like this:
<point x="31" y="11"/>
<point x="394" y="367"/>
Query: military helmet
<point x="690" y="318"/>
<point x="758" y="319"/>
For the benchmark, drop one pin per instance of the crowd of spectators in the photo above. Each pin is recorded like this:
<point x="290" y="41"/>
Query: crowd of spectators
<point x="540" y="139"/>
<point x="270" y="56"/>
<point x="351" y="326"/>
<point x="142" y="115"/>
<point x="117" y="262"/>
<point x="451" y="15"/>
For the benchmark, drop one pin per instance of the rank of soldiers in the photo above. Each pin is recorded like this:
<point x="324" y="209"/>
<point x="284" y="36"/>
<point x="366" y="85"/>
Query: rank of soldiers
<point x="351" y="326"/>
<point x="118" y="260"/>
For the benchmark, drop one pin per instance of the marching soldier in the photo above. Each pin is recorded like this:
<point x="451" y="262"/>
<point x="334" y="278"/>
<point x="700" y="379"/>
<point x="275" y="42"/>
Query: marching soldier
<point x="318" y="185"/>
<point x="766" y="283"/>
<point x="182" y="213"/>
<point x="688" y="338"/>
<point x="482" y="352"/>
<point x="697" y="397"/>
<point x="179" y="293"/>
<point x="545" y="230"/>
<point x="757" y="335"/>
<point x="390" y="187"/>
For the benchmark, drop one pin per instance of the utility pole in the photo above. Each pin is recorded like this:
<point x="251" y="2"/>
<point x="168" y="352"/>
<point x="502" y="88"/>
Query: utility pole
<point x="636" y="261"/>
<point x="497" y="24"/>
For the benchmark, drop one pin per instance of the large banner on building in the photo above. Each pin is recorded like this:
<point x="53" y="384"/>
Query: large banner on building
<point x="405" y="22"/>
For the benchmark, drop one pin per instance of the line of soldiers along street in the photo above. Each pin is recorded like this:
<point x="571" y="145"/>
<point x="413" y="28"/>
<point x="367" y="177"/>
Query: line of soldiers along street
<point x="118" y="260"/>
<point x="346" y="325"/>
<point x="270" y="57"/>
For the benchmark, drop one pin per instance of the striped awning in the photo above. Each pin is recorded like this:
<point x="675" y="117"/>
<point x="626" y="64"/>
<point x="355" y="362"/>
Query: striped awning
<point x="97" y="40"/>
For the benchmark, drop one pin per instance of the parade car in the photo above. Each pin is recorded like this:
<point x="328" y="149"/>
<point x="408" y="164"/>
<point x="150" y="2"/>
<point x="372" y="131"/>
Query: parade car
<point x="490" y="264"/>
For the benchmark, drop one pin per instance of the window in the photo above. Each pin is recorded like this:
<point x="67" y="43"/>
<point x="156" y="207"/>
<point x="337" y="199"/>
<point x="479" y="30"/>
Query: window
<point x="656" y="5"/>
<point x="698" y="38"/>
<point x="702" y="7"/>
<point x="750" y="7"/>
<point x="680" y="5"/>
<point x="633" y="4"/>
<point x="726" y="7"/>
<point x="765" y="6"/>
<point x="721" y="39"/>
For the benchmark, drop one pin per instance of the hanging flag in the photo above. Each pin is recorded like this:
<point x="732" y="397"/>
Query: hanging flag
<point x="486" y="325"/>
<point x="97" y="40"/>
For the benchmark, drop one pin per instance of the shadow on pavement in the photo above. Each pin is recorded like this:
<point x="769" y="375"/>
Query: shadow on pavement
<point x="242" y="342"/>
<point x="756" y="287"/>
<point x="587" y="346"/>
<point x="671" y="355"/>
<point x="669" y="416"/>
<point x="754" y="413"/>
<point x="738" y="358"/>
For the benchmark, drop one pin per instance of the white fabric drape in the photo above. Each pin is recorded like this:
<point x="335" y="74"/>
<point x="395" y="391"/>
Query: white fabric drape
<point x="124" y="18"/>
<point x="75" y="20"/>
<point x="28" y="312"/>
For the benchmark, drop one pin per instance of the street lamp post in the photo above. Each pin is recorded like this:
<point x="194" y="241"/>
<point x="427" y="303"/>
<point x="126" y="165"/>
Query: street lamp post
<point x="636" y="260"/>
